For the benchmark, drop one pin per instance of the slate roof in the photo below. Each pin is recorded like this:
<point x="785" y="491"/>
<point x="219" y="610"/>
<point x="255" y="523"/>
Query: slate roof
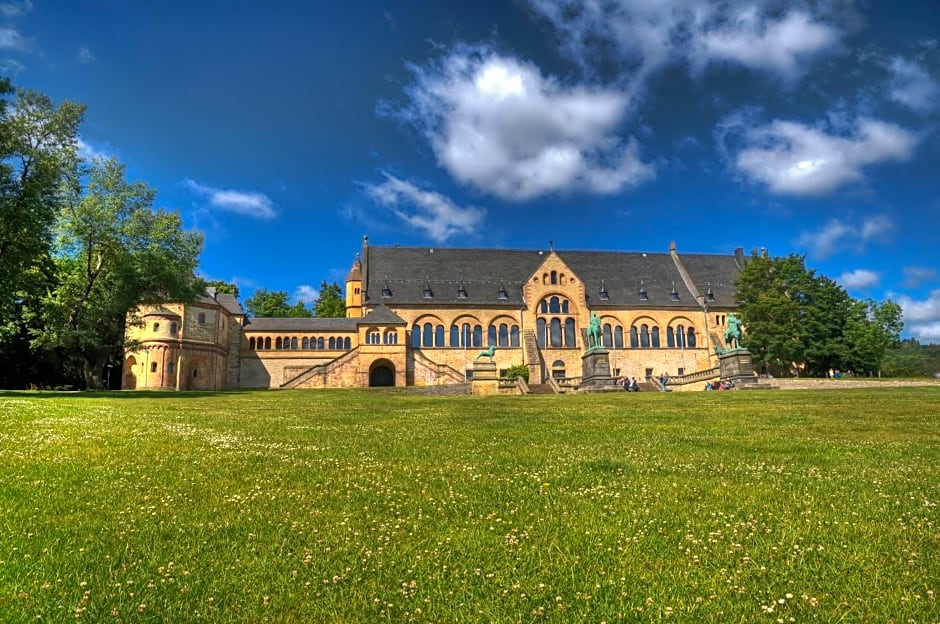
<point x="226" y="300"/>
<point x="382" y="315"/>
<point x="408" y="271"/>
<point x="300" y="324"/>
<point x="481" y="272"/>
<point x="161" y="311"/>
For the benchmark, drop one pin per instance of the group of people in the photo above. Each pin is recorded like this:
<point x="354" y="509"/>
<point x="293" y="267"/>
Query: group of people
<point x="628" y="384"/>
<point x="723" y="384"/>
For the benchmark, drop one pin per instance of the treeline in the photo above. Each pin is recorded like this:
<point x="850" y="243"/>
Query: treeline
<point x="80" y="245"/>
<point x="800" y="322"/>
<point x="912" y="359"/>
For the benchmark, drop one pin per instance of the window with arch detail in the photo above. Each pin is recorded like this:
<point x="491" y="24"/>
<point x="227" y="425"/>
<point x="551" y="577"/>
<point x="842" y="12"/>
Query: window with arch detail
<point x="332" y="342"/>
<point x="267" y="342"/>
<point x="655" y="336"/>
<point x="690" y="338"/>
<point x="251" y="343"/>
<point x="553" y="327"/>
<point x="305" y="343"/>
<point x="618" y="337"/>
<point x="608" y="336"/>
<point x="391" y="337"/>
<point x="372" y="336"/>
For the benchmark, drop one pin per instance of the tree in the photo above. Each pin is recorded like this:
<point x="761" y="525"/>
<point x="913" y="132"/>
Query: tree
<point x="276" y="304"/>
<point x="798" y="319"/>
<point x="114" y="252"/>
<point x="223" y="287"/>
<point x="330" y="303"/>
<point x="38" y="163"/>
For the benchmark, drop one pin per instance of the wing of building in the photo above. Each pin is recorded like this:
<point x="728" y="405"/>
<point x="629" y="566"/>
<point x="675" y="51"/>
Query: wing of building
<point x="420" y="316"/>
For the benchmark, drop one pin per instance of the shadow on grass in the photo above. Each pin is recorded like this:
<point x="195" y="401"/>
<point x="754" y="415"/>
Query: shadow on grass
<point x="118" y="394"/>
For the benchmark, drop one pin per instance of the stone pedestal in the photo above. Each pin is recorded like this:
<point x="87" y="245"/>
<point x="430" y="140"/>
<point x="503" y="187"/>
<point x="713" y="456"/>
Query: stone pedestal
<point x="595" y="372"/>
<point x="485" y="379"/>
<point x="737" y="366"/>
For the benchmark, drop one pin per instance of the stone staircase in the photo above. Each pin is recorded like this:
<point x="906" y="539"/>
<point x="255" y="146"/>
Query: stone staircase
<point x="533" y="355"/>
<point x="541" y="389"/>
<point x="320" y="369"/>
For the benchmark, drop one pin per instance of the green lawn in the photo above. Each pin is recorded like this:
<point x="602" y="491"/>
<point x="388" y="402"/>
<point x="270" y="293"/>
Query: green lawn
<point x="349" y="506"/>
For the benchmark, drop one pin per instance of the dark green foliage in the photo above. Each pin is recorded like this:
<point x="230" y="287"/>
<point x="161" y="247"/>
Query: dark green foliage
<point x="798" y="321"/>
<point x="223" y="287"/>
<point x="330" y="303"/>
<point x="266" y="303"/>
<point x="912" y="359"/>
<point x="518" y="370"/>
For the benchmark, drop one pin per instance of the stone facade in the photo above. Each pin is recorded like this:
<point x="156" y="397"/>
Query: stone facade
<point x="420" y="317"/>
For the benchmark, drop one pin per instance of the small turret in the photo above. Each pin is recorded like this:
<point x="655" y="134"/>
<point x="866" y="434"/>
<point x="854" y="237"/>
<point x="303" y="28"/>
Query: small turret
<point x="354" y="290"/>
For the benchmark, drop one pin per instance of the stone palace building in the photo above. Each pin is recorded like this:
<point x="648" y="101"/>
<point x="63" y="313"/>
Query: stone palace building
<point x="420" y="315"/>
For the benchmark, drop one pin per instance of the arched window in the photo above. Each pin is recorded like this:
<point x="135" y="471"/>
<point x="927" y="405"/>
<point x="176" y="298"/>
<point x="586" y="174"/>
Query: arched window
<point x="416" y="336"/>
<point x="564" y="306"/>
<point x="439" y="336"/>
<point x="267" y="342"/>
<point x="173" y="329"/>
<point x="477" y="335"/>
<point x="156" y="327"/>
<point x="655" y="337"/>
<point x="465" y="336"/>
<point x="618" y="337"/>
<point x="554" y="277"/>
<point x="454" y="336"/>
<point x="201" y="319"/>
<point x="277" y="343"/>
<point x="320" y="342"/>
<point x="503" y="335"/>
<point x="347" y="343"/>
<point x="634" y="338"/>
<point x="608" y="339"/>
<point x="514" y="336"/>
<point x="558" y="369"/>
<point x="543" y="306"/>
<point x="691" y="338"/>
<point x="293" y="342"/>
<point x="428" y="338"/>
<point x="644" y="336"/>
<point x="251" y="343"/>
<point x="372" y="337"/>
<point x="555" y="337"/>
<point x="670" y="337"/>
<point x="680" y="336"/>
<point x="569" y="332"/>
<point x="553" y="306"/>
<point x="540" y="332"/>
<point x="332" y="342"/>
<point x="391" y="337"/>
<point x="491" y="336"/>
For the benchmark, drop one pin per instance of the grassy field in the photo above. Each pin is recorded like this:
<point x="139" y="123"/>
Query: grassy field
<point x="357" y="506"/>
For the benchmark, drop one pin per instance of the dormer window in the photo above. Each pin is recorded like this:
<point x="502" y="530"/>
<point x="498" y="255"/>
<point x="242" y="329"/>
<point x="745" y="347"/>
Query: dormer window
<point x="461" y="292"/>
<point x="674" y="295"/>
<point x="709" y="294"/>
<point x="428" y="293"/>
<point x="386" y="291"/>
<point x="502" y="295"/>
<point x="603" y="292"/>
<point x="643" y="295"/>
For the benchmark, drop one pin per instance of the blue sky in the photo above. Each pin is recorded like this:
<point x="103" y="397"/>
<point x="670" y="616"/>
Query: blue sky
<point x="285" y="132"/>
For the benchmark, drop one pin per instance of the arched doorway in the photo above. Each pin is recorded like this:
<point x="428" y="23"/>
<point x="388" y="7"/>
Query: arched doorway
<point x="130" y="378"/>
<point x="381" y="374"/>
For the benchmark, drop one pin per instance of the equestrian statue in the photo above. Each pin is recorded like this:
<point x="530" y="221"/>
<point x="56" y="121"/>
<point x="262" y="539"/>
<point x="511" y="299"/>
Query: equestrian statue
<point x="594" y="333"/>
<point x="733" y="333"/>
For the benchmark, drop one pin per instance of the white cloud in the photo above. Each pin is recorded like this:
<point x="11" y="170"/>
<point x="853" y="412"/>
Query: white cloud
<point x="85" y="56"/>
<point x="922" y="317"/>
<point x="911" y="86"/>
<point x="648" y="35"/>
<point x="782" y="46"/>
<point x="10" y="38"/>
<point x="496" y="123"/>
<point x="859" y="279"/>
<point x="431" y="212"/>
<point x="915" y="276"/>
<point x="87" y="151"/>
<point x="839" y="235"/>
<point x="791" y="158"/>
<point x="13" y="9"/>
<point x="306" y="293"/>
<point x="11" y="67"/>
<point x="247" y="203"/>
